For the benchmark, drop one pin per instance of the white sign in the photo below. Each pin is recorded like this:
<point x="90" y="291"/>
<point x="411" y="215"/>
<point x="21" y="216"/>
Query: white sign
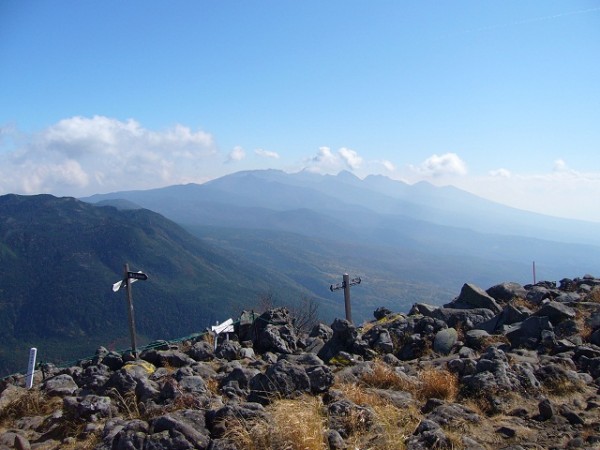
<point x="31" y="368"/>
<point x="225" y="327"/>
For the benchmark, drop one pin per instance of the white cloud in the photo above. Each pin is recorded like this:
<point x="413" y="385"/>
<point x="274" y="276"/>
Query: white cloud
<point x="561" y="166"/>
<point x="351" y="158"/>
<point x="501" y="173"/>
<point x="388" y="165"/>
<point x="237" y="154"/>
<point x="266" y="153"/>
<point x="327" y="161"/>
<point x="441" y="165"/>
<point x="561" y="192"/>
<point x="81" y="155"/>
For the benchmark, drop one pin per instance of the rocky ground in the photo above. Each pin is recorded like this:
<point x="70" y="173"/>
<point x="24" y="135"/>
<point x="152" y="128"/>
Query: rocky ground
<point x="512" y="367"/>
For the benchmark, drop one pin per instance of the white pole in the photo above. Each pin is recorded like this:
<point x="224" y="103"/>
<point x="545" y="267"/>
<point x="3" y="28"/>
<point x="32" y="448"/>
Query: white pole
<point x="31" y="368"/>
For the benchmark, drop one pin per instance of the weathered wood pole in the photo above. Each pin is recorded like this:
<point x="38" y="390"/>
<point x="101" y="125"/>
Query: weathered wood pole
<point x="346" y="282"/>
<point x="130" y="309"/>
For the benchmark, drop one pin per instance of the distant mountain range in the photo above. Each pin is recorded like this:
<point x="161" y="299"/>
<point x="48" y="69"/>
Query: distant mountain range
<point x="389" y="231"/>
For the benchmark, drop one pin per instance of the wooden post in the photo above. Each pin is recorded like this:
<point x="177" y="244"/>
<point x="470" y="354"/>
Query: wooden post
<point x="347" y="304"/>
<point x="346" y="283"/>
<point x="130" y="309"/>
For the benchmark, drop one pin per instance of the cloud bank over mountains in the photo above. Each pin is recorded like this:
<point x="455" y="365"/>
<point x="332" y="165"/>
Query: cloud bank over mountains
<point x="81" y="156"/>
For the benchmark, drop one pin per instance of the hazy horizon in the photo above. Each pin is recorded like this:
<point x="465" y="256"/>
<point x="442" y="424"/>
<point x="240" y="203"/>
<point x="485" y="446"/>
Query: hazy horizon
<point x="497" y="99"/>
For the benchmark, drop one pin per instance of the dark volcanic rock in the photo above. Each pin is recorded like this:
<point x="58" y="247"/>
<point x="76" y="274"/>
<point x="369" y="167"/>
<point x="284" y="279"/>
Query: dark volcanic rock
<point x="504" y="292"/>
<point x="472" y="296"/>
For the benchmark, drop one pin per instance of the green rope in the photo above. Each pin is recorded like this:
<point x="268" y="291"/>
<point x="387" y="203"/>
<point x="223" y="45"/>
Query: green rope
<point x="150" y="346"/>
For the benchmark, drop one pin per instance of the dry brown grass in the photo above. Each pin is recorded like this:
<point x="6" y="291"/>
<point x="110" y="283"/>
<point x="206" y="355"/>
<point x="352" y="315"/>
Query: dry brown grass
<point x="594" y="295"/>
<point x="562" y="386"/>
<point x="210" y="338"/>
<point x="521" y="302"/>
<point x="437" y="383"/>
<point x="385" y="377"/>
<point x="212" y="384"/>
<point x="296" y="425"/>
<point x="432" y="382"/>
<point x="87" y="442"/>
<point x="127" y="404"/>
<point x="31" y="403"/>
<point x="394" y="424"/>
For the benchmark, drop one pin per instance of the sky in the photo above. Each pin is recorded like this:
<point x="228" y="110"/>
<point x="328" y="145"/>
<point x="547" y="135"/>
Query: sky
<point x="499" y="98"/>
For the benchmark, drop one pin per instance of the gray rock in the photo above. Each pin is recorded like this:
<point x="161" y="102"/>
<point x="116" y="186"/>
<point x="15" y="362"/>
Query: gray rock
<point x="283" y="379"/>
<point x="477" y="338"/>
<point x="568" y="297"/>
<point x="452" y="414"/>
<point x="216" y="419"/>
<point x="444" y="340"/>
<point x="536" y="294"/>
<point x="335" y="440"/>
<point x="339" y="411"/>
<point x="113" y="360"/>
<point x="247" y="353"/>
<point x="166" y="358"/>
<point x="546" y="409"/>
<point x="201" y="351"/>
<point x="472" y="296"/>
<point x="505" y="292"/>
<point x="228" y="350"/>
<point x="91" y="407"/>
<point x="428" y="435"/>
<point x="381" y="312"/>
<point x="571" y="416"/>
<point x="193" y="384"/>
<point x="60" y="385"/>
<point x="189" y="424"/>
<point x="556" y="312"/>
<point x="466" y="318"/>
<point x="146" y="389"/>
<point x="322" y="331"/>
<point x="595" y="338"/>
<point x="528" y="332"/>
<point x="321" y="378"/>
<point x="240" y="375"/>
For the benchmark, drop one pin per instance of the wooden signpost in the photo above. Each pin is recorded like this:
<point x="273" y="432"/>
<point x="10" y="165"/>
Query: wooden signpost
<point x="128" y="279"/>
<point x="345" y="285"/>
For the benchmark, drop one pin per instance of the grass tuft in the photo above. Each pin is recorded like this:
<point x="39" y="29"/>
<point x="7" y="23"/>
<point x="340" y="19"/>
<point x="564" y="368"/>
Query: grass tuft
<point x="394" y="424"/>
<point x="31" y="403"/>
<point x="438" y="383"/>
<point x="296" y="425"/>
<point x="382" y="376"/>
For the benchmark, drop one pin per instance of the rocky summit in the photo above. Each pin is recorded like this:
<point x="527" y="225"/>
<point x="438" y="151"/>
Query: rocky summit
<point x="510" y="367"/>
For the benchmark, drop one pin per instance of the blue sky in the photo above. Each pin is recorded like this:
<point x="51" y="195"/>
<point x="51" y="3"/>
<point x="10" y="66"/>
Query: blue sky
<point x="498" y="98"/>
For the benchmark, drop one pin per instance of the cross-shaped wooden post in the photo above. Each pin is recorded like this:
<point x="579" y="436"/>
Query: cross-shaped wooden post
<point x="345" y="284"/>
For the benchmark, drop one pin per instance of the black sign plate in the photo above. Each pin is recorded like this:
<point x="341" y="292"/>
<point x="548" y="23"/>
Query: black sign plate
<point x="137" y="275"/>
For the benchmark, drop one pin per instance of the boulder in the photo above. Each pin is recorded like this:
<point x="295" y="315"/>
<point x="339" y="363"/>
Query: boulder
<point x="556" y="312"/>
<point x="185" y="425"/>
<point x="472" y="296"/>
<point x="201" y="351"/>
<point x="504" y="292"/>
<point x="228" y="350"/>
<point x="528" y="332"/>
<point x="60" y="385"/>
<point x="283" y="380"/>
<point x="91" y="407"/>
<point x="444" y="340"/>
